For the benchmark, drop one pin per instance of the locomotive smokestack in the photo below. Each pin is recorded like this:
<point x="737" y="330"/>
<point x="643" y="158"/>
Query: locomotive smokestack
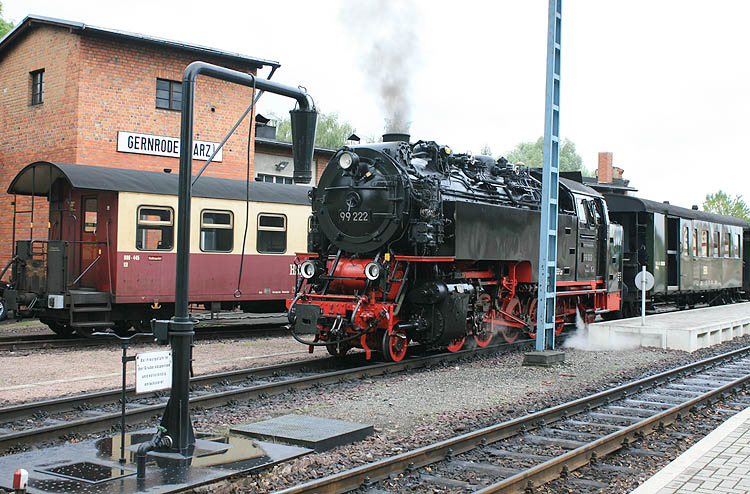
<point x="396" y="137"/>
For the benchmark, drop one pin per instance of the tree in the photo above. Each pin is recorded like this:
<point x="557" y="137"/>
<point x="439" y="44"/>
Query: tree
<point x="530" y="154"/>
<point x="722" y="203"/>
<point x="5" y="26"/>
<point x="331" y="133"/>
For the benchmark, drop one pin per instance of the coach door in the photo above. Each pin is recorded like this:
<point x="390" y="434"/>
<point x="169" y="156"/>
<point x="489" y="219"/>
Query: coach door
<point x="673" y="253"/>
<point x="89" y="248"/>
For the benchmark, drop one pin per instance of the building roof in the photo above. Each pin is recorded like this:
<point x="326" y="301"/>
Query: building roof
<point x="32" y="20"/>
<point x="622" y="203"/>
<point x="273" y="143"/>
<point x="36" y="179"/>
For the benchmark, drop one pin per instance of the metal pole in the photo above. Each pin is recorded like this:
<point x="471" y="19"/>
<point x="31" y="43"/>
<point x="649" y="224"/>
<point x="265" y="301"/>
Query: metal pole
<point x="122" y="399"/>
<point x="545" y="333"/>
<point x="643" y="296"/>
<point x="176" y="418"/>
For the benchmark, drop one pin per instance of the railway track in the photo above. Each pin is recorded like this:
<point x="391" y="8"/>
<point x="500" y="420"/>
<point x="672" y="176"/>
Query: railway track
<point x="205" y="330"/>
<point x="520" y="454"/>
<point x="32" y="423"/>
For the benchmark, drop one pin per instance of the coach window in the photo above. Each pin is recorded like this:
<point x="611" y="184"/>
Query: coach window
<point x="726" y="248"/>
<point x="271" y="233"/>
<point x="168" y="94"/>
<point x="737" y="245"/>
<point x="717" y="244"/>
<point x="217" y="231"/>
<point x="695" y="242"/>
<point x="89" y="215"/>
<point x="686" y="241"/>
<point x="704" y="243"/>
<point x="155" y="229"/>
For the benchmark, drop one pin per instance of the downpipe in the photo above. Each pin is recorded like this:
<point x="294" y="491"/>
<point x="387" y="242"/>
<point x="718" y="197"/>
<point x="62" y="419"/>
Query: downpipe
<point x="158" y="441"/>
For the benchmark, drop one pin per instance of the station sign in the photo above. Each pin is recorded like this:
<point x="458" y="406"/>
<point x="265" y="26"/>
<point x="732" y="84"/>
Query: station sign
<point x="131" y="142"/>
<point x="153" y="371"/>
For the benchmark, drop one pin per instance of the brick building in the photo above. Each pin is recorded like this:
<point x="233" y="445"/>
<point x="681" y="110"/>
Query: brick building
<point x="80" y="94"/>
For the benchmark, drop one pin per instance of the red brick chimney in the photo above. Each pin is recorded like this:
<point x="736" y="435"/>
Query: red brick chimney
<point x="604" y="171"/>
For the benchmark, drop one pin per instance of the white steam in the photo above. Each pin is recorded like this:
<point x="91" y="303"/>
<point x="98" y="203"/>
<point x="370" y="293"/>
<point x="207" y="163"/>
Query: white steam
<point x="384" y="33"/>
<point x="581" y="340"/>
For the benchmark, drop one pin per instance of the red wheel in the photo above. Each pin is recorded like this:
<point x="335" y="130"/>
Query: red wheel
<point x="511" y="333"/>
<point x="394" y="346"/>
<point x="483" y="336"/>
<point x="456" y="344"/>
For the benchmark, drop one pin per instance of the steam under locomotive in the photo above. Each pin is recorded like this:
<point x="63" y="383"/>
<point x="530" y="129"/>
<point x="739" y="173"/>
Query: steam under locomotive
<point x="410" y="242"/>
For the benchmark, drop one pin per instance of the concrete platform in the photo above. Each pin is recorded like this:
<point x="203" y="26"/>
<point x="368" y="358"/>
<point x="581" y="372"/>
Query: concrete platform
<point x="687" y="330"/>
<point x="719" y="463"/>
<point x="303" y="430"/>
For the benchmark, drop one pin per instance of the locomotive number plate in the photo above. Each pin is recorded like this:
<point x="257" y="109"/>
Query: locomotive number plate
<point x="357" y="216"/>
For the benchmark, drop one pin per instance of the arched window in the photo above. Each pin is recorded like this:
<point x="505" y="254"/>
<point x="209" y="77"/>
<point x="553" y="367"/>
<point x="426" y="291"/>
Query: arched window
<point x="704" y="243"/>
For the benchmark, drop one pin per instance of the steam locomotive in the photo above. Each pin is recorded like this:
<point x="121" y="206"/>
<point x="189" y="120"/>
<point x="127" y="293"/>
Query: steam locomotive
<point x="411" y="242"/>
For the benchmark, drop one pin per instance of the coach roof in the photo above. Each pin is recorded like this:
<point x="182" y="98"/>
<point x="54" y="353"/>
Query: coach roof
<point x="36" y="179"/>
<point x="621" y="203"/>
<point x="32" y="20"/>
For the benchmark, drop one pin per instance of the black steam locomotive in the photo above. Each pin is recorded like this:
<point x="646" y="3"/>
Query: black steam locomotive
<point x="412" y="242"/>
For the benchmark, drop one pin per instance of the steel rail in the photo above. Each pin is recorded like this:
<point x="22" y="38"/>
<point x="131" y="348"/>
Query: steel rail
<point x="227" y="328"/>
<point x="104" y="421"/>
<point x="367" y="474"/>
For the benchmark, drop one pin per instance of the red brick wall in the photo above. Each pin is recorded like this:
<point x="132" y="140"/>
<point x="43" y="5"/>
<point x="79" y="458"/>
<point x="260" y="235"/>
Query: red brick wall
<point x="39" y="132"/>
<point x="93" y="88"/>
<point x="118" y="92"/>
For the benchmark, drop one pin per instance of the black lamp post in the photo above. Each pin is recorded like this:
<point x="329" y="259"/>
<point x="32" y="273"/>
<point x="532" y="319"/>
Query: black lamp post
<point x="176" y="419"/>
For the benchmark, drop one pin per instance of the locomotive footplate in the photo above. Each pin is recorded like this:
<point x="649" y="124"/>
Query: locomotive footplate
<point x="307" y="319"/>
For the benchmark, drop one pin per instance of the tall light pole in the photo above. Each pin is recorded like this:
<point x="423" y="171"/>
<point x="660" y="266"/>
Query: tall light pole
<point x="545" y="320"/>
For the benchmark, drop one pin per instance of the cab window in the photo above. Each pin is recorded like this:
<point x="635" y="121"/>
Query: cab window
<point x="271" y="233"/>
<point x="217" y="231"/>
<point x="155" y="228"/>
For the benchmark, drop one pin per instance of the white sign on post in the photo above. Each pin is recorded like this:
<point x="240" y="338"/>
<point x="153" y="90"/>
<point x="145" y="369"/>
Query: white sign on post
<point x="153" y="371"/>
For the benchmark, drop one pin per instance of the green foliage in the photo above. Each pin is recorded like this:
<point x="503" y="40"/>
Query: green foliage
<point x="5" y="26"/>
<point x="530" y="154"/>
<point x="331" y="133"/>
<point x="486" y="150"/>
<point x="722" y="203"/>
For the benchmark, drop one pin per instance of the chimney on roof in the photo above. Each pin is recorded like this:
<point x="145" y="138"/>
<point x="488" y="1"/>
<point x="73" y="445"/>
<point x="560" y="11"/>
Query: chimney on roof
<point x="263" y="127"/>
<point x="604" y="170"/>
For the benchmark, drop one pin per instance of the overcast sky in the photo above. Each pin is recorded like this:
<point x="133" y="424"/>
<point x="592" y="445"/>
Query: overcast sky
<point x="661" y="84"/>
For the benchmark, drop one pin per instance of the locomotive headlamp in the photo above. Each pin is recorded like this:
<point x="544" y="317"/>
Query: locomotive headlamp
<point x="308" y="269"/>
<point x="372" y="271"/>
<point x="347" y="159"/>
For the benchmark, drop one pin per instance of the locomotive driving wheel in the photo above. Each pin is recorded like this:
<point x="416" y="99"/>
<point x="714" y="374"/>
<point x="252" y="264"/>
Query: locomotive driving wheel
<point x="456" y="344"/>
<point x="483" y="334"/>
<point x="513" y="307"/>
<point x="394" y="346"/>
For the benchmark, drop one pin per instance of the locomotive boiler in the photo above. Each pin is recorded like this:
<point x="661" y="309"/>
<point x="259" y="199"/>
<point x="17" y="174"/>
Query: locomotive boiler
<point x="411" y="242"/>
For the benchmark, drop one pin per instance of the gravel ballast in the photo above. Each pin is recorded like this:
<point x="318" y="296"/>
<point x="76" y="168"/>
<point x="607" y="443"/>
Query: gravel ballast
<point x="408" y="410"/>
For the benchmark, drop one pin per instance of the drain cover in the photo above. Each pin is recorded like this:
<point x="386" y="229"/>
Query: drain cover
<point x="86" y="471"/>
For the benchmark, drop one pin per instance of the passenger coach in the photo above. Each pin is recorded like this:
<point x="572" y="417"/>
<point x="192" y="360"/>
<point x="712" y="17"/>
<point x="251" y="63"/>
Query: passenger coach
<point x="109" y="257"/>
<point x="695" y="256"/>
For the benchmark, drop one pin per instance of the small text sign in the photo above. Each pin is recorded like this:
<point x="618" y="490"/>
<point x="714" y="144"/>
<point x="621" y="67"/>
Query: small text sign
<point x="153" y="371"/>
